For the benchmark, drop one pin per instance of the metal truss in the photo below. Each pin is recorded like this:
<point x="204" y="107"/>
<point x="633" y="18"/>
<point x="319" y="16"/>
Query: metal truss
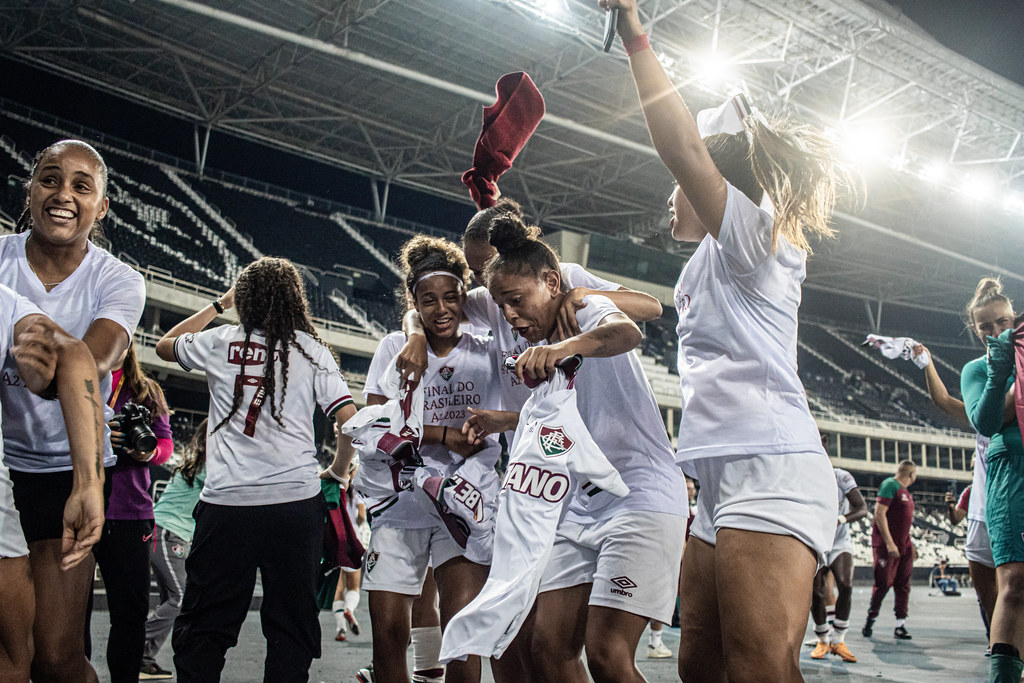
<point x="393" y="89"/>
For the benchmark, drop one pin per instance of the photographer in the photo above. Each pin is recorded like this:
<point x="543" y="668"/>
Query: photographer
<point x="140" y="433"/>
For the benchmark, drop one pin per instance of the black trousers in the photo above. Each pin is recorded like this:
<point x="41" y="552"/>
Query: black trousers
<point x="284" y="542"/>
<point x="123" y="558"/>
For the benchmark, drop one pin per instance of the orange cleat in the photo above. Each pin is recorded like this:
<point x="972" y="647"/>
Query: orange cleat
<point x="843" y="651"/>
<point x="820" y="650"/>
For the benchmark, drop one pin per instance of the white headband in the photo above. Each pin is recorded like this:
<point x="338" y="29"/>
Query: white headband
<point x="432" y="274"/>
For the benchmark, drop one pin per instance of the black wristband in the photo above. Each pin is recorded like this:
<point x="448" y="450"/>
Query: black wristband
<point x="50" y="392"/>
<point x="444" y="436"/>
<point x="217" y="307"/>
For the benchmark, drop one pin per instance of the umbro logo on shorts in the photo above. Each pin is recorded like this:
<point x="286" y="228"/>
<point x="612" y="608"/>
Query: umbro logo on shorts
<point x="624" y="585"/>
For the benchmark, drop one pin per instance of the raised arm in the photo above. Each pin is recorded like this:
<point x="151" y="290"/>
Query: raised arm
<point x="196" y="322"/>
<point x="637" y="306"/>
<point x="673" y="129"/>
<point x="940" y="396"/>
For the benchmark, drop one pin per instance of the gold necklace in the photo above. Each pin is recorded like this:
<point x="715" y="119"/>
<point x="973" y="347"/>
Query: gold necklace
<point x="36" y="272"/>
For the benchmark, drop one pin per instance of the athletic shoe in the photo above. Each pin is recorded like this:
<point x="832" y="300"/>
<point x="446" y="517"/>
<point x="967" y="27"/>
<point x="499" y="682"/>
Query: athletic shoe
<point x="820" y="651"/>
<point x="341" y="635"/>
<point x="365" y="675"/>
<point x="843" y="651"/>
<point x="352" y="623"/>
<point x="868" y="630"/>
<point x="659" y="652"/>
<point x="901" y="633"/>
<point x="152" y="672"/>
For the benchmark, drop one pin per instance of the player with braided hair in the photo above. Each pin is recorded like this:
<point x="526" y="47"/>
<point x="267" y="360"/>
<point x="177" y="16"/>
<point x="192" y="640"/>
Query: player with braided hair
<point x="261" y="505"/>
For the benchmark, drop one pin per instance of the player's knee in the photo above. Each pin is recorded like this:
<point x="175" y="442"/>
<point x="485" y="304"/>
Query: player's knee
<point x="844" y="585"/>
<point x="694" y="665"/>
<point x="1011" y="588"/>
<point x="56" y="666"/>
<point x="610" y="660"/>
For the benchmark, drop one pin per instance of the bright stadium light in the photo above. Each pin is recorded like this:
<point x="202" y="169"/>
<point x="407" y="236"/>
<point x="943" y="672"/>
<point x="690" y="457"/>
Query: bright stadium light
<point x="1014" y="203"/>
<point x="977" y="187"/>
<point x="713" y="68"/>
<point x="866" y="143"/>
<point x="935" y="172"/>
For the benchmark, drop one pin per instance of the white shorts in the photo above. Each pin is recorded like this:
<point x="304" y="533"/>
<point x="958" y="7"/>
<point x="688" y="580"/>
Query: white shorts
<point x="978" y="548"/>
<point x="12" y="540"/>
<point x="397" y="559"/>
<point x="632" y="560"/>
<point x="792" y="494"/>
<point x="833" y="555"/>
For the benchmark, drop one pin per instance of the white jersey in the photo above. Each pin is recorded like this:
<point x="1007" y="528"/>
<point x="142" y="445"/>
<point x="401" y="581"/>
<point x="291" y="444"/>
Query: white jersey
<point x="13" y="307"/>
<point x="976" y="505"/>
<point x="481" y="312"/>
<point x="465" y="378"/>
<point x="101" y="287"/>
<point x="553" y="455"/>
<point x="253" y="460"/>
<point x="845" y="483"/>
<point x="618" y="406"/>
<point x="737" y="302"/>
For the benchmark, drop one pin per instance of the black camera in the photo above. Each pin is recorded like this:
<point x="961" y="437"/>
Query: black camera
<point x="134" y="422"/>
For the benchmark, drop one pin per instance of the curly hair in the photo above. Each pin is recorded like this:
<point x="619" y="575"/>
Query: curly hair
<point x="194" y="460"/>
<point x="25" y="219"/>
<point x="520" y="249"/>
<point x="480" y="224"/>
<point x="423" y="254"/>
<point x="271" y="299"/>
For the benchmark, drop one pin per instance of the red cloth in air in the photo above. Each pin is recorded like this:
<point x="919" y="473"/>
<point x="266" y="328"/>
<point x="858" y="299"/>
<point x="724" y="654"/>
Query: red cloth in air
<point x="507" y="125"/>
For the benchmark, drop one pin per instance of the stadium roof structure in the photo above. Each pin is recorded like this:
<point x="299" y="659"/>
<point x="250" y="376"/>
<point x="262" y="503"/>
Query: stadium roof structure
<point x="394" y="88"/>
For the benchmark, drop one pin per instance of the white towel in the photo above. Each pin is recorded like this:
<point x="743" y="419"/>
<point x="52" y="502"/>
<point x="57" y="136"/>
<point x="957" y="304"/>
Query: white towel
<point x="553" y="453"/>
<point x="898" y="347"/>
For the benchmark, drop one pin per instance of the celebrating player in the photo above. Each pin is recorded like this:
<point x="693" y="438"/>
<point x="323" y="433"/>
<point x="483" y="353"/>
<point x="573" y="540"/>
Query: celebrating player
<point x="261" y="505"/>
<point x="615" y="561"/>
<point x="97" y="299"/>
<point x="406" y="541"/>
<point x="986" y="384"/>
<point x="746" y="423"/>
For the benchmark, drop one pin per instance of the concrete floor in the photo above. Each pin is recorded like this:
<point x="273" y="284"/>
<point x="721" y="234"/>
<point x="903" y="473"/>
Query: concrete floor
<point x="948" y="645"/>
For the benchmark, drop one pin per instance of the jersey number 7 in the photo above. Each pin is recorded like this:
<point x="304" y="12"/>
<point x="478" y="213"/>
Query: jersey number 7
<point x="256" y="405"/>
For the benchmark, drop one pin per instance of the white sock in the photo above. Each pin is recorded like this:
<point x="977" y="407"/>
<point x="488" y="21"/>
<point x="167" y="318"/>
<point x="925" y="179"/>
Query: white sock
<point x="351" y="600"/>
<point x="830" y="614"/>
<point x="821" y="630"/>
<point x="655" y="638"/>
<point x="426" y="648"/>
<point x="339" y="613"/>
<point x="900" y="623"/>
<point x="839" y="634"/>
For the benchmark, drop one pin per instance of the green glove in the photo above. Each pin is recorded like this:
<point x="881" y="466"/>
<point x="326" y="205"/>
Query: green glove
<point x="1000" y="355"/>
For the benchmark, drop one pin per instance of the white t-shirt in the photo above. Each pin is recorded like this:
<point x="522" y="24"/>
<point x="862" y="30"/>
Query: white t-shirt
<point x="846" y="483"/>
<point x="618" y="407"/>
<point x="466" y="377"/>
<point x="737" y="303"/>
<point x="101" y="287"/>
<point x="253" y="460"/>
<point x="13" y="307"/>
<point x="481" y="311"/>
<point x="976" y="505"/>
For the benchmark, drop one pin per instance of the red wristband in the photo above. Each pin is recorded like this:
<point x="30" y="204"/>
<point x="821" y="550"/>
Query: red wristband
<point x="638" y="44"/>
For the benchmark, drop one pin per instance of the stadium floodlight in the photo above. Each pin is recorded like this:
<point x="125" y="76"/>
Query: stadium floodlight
<point x="934" y="172"/>
<point x="1014" y="203"/>
<point x="712" y="68"/>
<point x="866" y="143"/>
<point x="977" y="186"/>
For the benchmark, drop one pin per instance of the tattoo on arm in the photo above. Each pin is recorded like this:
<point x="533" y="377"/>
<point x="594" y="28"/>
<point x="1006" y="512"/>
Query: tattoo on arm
<point x="98" y="413"/>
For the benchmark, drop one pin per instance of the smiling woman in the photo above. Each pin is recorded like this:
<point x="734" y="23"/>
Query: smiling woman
<point x="99" y="300"/>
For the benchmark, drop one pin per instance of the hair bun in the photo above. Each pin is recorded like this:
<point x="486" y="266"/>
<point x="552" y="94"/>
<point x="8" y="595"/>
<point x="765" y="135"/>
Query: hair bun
<point x="988" y="286"/>
<point x="508" y="232"/>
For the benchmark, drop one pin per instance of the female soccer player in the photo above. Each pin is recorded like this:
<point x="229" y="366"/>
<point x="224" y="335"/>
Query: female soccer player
<point x="615" y="561"/>
<point x="986" y="384"/>
<point x="261" y="505"/>
<point x="40" y="357"/>
<point x="405" y="540"/>
<point x="97" y="299"/>
<point x="746" y="425"/>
